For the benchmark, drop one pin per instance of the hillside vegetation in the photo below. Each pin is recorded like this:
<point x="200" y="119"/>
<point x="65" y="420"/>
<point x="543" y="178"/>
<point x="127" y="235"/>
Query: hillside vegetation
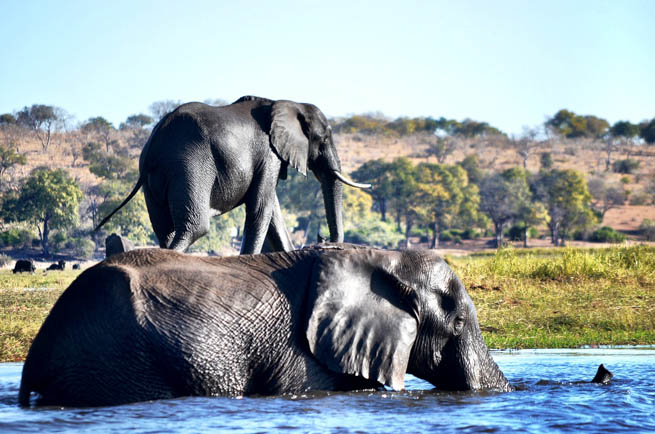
<point x="437" y="182"/>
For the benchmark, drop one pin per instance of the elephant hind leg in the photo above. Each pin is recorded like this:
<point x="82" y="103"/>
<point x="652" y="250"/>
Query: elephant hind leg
<point x="190" y="220"/>
<point x="160" y="218"/>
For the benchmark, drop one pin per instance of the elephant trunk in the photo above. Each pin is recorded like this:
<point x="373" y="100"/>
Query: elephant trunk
<point x="489" y="376"/>
<point x="482" y="371"/>
<point x="333" y="199"/>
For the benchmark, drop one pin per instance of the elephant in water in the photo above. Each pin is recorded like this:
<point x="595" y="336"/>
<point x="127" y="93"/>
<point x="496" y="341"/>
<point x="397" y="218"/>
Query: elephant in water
<point x="155" y="324"/>
<point x="201" y="161"/>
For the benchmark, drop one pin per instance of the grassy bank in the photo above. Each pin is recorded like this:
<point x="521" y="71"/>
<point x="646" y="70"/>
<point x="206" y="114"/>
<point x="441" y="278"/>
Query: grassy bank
<point x="555" y="298"/>
<point x="525" y="298"/>
<point x="25" y="300"/>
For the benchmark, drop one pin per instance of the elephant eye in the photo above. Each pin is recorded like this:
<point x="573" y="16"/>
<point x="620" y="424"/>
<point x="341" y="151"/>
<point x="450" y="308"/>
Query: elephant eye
<point x="458" y="325"/>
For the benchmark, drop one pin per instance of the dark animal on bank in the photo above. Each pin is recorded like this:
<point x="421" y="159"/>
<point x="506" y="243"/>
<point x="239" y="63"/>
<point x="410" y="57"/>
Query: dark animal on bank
<point x="60" y="265"/>
<point x="24" y="266"/>
<point x="202" y="161"/>
<point x="76" y="266"/>
<point x="155" y="324"/>
<point x="115" y="244"/>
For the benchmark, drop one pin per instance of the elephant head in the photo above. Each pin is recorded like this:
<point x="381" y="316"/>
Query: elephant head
<point x="379" y="314"/>
<point x="302" y="137"/>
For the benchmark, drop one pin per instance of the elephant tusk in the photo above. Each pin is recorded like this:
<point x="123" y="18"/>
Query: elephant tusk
<point x="350" y="182"/>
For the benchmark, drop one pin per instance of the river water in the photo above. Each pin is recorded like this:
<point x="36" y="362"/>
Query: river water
<point x="553" y="394"/>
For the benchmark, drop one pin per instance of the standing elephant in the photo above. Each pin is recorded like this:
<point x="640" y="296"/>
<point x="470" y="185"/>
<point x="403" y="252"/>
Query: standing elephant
<point x="155" y="324"/>
<point x="202" y="161"/>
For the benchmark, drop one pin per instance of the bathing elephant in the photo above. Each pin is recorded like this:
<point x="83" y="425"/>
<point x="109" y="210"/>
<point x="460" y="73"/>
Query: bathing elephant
<point x="201" y="161"/>
<point x="155" y="323"/>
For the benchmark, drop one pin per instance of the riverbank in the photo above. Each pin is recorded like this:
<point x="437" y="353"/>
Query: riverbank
<point x="562" y="298"/>
<point x="533" y="298"/>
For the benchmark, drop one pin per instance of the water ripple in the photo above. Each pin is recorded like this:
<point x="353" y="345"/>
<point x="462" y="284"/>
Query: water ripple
<point x="552" y="393"/>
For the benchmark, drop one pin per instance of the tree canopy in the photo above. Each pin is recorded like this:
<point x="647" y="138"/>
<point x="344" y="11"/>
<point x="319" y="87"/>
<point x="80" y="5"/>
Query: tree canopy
<point x="48" y="199"/>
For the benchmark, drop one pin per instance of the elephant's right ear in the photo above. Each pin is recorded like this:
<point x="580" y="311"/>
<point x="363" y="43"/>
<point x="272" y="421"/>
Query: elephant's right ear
<point x="361" y="319"/>
<point x="287" y="135"/>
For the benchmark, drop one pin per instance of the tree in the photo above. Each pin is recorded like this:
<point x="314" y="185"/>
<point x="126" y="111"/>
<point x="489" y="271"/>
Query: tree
<point x="378" y="174"/>
<point x="136" y="127"/>
<point x="159" y="109"/>
<point x="7" y="119"/>
<point x="43" y="120"/>
<point x="49" y="200"/>
<point x="647" y="131"/>
<point x="9" y="158"/>
<point x="605" y="195"/>
<point x="471" y="164"/>
<point x="101" y="128"/>
<point x="404" y="191"/>
<point x="624" y="129"/>
<point x="525" y="145"/>
<point x="439" y="147"/>
<point x="529" y="211"/>
<point x="596" y="127"/>
<point x="567" y="199"/>
<point x="471" y="128"/>
<point x="10" y="131"/>
<point x="445" y="198"/>
<point x="110" y="166"/>
<point x="137" y="121"/>
<point x="501" y="197"/>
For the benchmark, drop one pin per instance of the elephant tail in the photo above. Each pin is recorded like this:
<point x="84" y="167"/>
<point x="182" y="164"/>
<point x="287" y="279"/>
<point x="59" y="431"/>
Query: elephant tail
<point x="127" y="199"/>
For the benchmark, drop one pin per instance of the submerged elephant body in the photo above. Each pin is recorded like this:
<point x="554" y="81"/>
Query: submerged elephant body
<point x="153" y="324"/>
<point x="202" y="160"/>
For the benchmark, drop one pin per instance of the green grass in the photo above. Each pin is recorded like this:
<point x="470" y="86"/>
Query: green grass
<point x="25" y="300"/>
<point x="563" y="297"/>
<point x="542" y="298"/>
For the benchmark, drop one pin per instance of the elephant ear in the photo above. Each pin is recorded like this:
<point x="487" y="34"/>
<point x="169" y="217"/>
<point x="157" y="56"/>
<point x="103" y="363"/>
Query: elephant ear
<point x="287" y="135"/>
<point x="361" y="318"/>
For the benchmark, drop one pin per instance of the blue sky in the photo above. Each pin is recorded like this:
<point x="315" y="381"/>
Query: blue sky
<point x="509" y="63"/>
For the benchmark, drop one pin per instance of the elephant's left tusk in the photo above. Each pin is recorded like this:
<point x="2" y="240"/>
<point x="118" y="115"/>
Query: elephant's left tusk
<point x="350" y="182"/>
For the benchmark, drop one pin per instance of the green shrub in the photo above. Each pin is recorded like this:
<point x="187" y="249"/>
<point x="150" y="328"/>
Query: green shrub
<point x="446" y="235"/>
<point x="374" y="232"/>
<point x="82" y="247"/>
<point x="57" y="241"/>
<point x="454" y="235"/>
<point x="627" y="166"/>
<point x="16" y="238"/>
<point x="607" y="234"/>
<point x="515" y="233"/>
<point x="533" y="233"/>
<point x="470" y="234"/>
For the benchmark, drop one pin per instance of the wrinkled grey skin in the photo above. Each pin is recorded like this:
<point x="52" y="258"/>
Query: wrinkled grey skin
<point x="202" y="161"/>
<point x="153" y="324"/>
<point x="115" y="244"/>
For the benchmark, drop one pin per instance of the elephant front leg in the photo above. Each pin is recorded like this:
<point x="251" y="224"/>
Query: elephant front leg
<point x="277" y="237"/>
<point x="259" y="211"/>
